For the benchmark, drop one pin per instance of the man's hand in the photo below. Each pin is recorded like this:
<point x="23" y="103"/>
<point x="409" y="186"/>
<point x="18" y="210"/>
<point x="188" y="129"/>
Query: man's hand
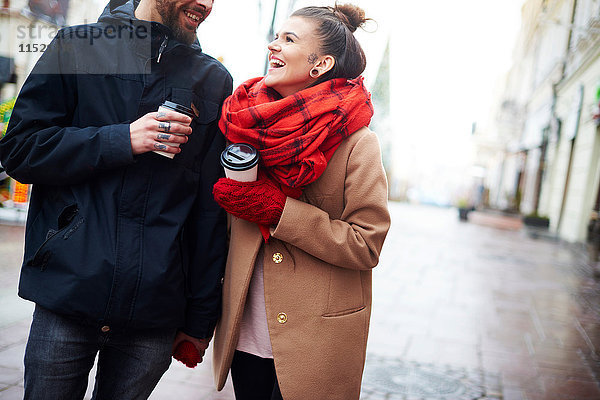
<point x="153" y="130"/>
<point x="182" y="352"/>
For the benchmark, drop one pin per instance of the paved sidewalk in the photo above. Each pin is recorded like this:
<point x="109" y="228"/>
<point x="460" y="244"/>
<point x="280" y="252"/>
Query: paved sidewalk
<point x="475" y="310"/>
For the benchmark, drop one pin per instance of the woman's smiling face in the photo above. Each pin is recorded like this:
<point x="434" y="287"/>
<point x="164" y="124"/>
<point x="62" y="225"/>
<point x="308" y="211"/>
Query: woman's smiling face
<point x="292" y="55"/>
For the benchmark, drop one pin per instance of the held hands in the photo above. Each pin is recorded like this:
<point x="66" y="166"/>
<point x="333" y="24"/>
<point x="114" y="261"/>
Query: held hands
<point x="189" y="350"/>
<point x="260" y="201"/>
<point x="151" y="131"/>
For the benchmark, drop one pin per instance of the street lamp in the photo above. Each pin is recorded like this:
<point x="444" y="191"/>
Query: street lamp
<point x="271" y="34"/>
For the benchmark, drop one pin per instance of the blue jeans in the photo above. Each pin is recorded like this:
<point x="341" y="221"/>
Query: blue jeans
<point x="60" y="354"/>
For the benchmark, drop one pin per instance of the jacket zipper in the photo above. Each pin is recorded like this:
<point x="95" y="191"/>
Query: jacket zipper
<point x="163" y="46"/>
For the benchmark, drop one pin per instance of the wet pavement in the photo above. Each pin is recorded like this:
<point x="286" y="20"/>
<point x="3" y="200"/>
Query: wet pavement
<point x="477" y="310"/>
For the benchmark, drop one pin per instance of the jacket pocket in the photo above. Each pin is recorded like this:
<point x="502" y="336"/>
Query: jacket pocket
<point x="204" y="129"/>
<point x="345" y="294"/>
<point x="206" y="111"/>
<point x="68" y="223"/>
<point x="344" y="313"/>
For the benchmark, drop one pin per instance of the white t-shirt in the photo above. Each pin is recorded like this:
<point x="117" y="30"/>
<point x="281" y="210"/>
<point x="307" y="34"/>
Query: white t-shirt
<point x="254" y="331"/>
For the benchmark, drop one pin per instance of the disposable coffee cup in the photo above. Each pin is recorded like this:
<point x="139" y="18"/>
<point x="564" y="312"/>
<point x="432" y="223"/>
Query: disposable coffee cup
<point x="240" y="161"/>
<point x="171" y="106"/>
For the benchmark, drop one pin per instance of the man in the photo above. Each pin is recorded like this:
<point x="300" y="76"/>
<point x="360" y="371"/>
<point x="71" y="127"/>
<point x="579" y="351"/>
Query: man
<point x="124" y="247"/>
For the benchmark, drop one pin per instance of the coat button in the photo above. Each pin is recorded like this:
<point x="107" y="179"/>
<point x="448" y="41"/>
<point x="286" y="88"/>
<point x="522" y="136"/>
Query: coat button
<point x="277" y="258"/>
<point x="282" y="318"/>
<point x="105" y="329"/>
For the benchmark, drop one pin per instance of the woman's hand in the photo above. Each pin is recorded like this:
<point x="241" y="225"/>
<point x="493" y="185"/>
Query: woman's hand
<point x="152" y="131"/>
<point x="260" y="201"/>
<point x="189" y="350"/>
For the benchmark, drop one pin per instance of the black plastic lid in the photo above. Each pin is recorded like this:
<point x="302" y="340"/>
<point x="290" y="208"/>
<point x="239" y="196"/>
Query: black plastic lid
<point x="179" y="108"/>
<point x="239" y="157"/>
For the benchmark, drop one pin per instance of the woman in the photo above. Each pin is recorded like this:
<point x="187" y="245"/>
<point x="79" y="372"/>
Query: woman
<point x="296" y="304"/>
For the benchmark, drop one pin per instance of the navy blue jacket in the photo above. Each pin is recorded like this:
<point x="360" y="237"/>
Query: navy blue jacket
<point x="132" y="242"/>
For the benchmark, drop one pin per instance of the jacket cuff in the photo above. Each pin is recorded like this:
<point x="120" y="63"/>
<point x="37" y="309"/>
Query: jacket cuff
<point x="198" y="326"/>
<point x="118" y="145"/>
<point x="292" y="215"/>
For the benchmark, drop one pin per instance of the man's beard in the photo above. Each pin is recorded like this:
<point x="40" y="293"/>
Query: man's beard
<point x="168" y="12"/>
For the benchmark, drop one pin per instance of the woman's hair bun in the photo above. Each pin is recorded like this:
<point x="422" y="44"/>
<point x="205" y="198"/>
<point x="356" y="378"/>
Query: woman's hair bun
<point x="351" y="15"/>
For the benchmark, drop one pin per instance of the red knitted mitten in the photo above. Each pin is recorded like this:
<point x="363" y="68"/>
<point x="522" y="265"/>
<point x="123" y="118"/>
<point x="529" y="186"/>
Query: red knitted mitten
<point x="260" y="201"/>
<point x="187" y="353"/>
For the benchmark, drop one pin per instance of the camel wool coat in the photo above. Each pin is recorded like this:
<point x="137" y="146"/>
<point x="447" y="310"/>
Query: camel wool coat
<point x="317" y="277"/>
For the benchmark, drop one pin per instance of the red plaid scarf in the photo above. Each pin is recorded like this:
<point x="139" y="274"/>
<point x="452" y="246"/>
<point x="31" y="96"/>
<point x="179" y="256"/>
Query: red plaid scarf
<point x="298" y="134"/>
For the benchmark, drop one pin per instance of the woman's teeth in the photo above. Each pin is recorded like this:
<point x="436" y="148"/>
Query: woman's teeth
<point x="276" y="63"/>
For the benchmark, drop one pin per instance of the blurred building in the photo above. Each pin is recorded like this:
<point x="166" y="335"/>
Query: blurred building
<point x="53" y="10"/>
<point x="26" y="28"/>
<point x="546" y="159"/>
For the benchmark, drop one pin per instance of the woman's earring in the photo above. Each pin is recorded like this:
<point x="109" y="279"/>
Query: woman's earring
<point x="314" y="73"/>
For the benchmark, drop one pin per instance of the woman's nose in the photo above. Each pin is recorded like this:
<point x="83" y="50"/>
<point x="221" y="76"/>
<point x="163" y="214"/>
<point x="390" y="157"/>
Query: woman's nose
<point x="273" y="46"/>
